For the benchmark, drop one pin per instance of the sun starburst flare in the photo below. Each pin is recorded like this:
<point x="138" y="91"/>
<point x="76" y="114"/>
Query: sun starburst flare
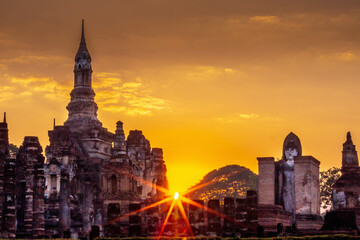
<point x="176" y="196"/>
<point x="176" y="201"/>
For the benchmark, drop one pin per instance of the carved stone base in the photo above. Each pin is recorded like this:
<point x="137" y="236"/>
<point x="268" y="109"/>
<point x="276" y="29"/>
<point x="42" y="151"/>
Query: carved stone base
<point x="309" y="222"/>
<point x="269" y="216"/>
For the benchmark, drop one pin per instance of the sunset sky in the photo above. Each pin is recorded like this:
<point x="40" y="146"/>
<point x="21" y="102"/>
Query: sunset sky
<point x="211" y="82"/>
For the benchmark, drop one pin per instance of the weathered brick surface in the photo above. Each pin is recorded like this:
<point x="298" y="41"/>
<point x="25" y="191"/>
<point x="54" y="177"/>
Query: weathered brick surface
<point x="30" y="184"/>
<point x="307" y="186"/>
<point x="266" y="180"/>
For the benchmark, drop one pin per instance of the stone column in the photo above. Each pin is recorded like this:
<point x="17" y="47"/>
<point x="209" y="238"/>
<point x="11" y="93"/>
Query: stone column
<point x="88" y="202"/>
<point x="30" y="190"/>
<point x="4" y="154"/>
<point x="9" y="215"/>
<point x="64" y="203"/>
<point x="29" y="194"/>
<point x="266" y="180"/>
<point x="39" y="203"/>
<point x="307" y="185"/>
<point x="307" y="193"/>
<point x="2" y="163"/>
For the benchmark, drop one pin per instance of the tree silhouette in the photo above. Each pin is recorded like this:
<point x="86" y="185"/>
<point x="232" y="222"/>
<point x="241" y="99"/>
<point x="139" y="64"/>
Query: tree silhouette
<point x="327" y="180"/>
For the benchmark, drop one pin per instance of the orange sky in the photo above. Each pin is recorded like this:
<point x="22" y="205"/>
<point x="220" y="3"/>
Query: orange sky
<point x="210" y="82"/>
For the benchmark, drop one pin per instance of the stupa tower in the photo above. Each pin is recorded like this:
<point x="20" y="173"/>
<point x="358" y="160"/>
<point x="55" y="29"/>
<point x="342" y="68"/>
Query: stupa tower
<point x="82" y="107"/>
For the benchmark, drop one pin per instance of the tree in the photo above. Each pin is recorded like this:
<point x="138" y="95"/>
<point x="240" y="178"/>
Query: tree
<point x="13" y="149"/>
<point x="327" y="181"/>
<point x="229" y="181"/>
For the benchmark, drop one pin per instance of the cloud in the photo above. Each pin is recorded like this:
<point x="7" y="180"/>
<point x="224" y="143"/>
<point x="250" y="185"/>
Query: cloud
<point x="3" y="67"/>
<point x="25" y="94"/>
<point x="6" y="93"/>
<point x="105" y="80"/>
<point x="237" y="118"/>
<point x="265" y="19"/>
<point x="345" y="56"/>
<point x="241" y="117"/>
<point x="200" y="73"/>
<point x="115" y="94"/>
<point x="248" y="116"/>
<point x="26" y="85"/>
<point x="26" y="80"/>
<point x="33" y="60"/>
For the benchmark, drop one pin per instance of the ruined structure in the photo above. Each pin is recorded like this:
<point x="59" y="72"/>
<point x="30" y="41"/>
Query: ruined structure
<point x="346" y="192"/>
<point x="345" y="212"/>
<point x="90" y="177"/>
<point x="30" y="182"/>
<point x="89" y="182"/>
<point x="289" y="191"/>
<point x="7" y="184"/>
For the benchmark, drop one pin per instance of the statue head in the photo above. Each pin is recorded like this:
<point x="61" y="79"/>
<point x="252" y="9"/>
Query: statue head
<point x="291" y="147"/>
<point x="290" y="153"/>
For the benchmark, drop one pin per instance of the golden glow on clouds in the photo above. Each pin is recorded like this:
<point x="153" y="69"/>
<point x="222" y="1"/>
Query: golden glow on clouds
<point x="346" y="56"/>
<point x="6" y="93"/>
<point x="211" y="82"/>
<point x="27" y="85"/>
<point x="265" y="19"/>
<point x="132" y="98"/>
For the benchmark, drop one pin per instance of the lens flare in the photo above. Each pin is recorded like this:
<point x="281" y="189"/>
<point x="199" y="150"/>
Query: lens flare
<point x="176" y="201"/>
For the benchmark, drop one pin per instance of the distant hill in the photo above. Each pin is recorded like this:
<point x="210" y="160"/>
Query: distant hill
<point x="229" y="181"/>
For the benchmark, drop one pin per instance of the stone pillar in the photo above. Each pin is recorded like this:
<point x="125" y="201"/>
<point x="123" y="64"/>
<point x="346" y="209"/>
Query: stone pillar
<point x="197" y="219"/>
<point x="9" y="215"/>
<point x="64" y="203"/>
<point x="88" y="207"/>
<point x="119" y="141"/>
<point x="30" y="183"/>
<point x="39" y="203"/>
<point x="160" y="171"/>
<point x="266" y="180"/>
<point x="307" y="185"/>
<point x="28" y="215"/>
<point x="307" y="189"/>
<point x="4" y="154"/>
<point x="214" y="221"/>
<point x="134" y="220"/>
<point x="229" y="211"/>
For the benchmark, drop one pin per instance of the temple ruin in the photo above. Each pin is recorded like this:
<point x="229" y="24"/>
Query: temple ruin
<point x="289" y="191"/>
<point x="92" y="178"/>
<point x="345" y="209"/>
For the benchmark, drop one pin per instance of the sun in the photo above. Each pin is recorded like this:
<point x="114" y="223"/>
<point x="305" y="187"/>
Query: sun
<point x="176" y="195"/>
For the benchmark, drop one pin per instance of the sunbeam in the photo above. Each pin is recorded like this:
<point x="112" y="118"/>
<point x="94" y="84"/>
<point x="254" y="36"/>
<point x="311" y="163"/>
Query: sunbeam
<point x="167" y="218"/>
<point x="177" y="199"/>
<point x="161" y="189"/>
<point x="140" y="210"/>
<point x="183" y="213"/>
<point x="204" y="208"/>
